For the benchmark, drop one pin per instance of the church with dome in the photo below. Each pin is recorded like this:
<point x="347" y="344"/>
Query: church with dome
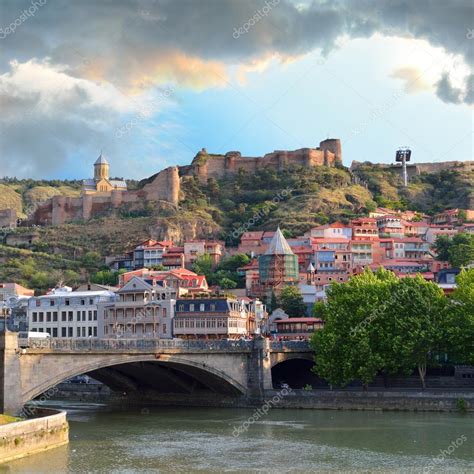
<point x="102" y="184"/>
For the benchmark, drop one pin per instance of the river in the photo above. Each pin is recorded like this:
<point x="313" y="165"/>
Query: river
<point x="104" y="440"/>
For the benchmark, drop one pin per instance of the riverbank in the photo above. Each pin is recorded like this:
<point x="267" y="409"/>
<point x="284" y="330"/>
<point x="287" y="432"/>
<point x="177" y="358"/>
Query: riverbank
<point x="378" y="400"/>
<point x="22" y="438"/>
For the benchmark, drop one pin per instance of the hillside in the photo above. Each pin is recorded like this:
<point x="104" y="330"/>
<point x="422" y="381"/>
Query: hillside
<point x="24" y="195"/>
<point x="296" y="199"/>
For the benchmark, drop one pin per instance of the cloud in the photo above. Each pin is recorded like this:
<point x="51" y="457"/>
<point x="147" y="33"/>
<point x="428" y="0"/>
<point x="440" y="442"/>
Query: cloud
<point x="448" y="93"/>
<point x="412" y="79"/>
<point x="77" y="65"/>
<point x="46" y="113"/>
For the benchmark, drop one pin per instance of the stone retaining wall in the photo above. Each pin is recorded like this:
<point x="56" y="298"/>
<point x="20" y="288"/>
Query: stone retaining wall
<point x="23" y="438"/>
<point x="375" y="400"/>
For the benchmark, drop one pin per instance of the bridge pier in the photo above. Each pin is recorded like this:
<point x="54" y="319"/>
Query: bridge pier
<point x="10" y="388"/>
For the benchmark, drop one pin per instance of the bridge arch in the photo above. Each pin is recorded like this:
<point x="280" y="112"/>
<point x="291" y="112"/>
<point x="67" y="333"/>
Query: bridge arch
<point x="294" y="370"/>
<point x="217" y="380"/>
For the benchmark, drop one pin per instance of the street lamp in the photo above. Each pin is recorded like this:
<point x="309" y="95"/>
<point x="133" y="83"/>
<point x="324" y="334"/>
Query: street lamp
<point x="402" y="156"/>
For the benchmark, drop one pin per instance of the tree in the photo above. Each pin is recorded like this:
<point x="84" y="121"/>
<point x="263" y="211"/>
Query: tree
<point x="203" y="265"/>
<point x="291" y="301"/>
<point x="349" y="347"/>
<point x="459" y="320"/>
<point x="461" y="251"/>
<point x="441" y="246"/>
<point x="458" y="250"/>
<point x="227" y="284"/>
<point x="273" y="302"/>
<point x="411" y="327"/>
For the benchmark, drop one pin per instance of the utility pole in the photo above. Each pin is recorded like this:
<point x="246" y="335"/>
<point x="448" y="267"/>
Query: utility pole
<point x="402" y="156"/>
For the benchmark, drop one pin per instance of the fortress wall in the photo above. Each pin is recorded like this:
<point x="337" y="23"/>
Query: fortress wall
<point x="165" y="186"/>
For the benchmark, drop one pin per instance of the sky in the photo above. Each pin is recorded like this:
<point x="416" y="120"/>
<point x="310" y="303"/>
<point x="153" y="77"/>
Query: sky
<point x="151" y="82"/>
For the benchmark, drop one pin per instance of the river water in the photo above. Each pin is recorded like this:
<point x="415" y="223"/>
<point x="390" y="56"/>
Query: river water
<point x="104" y="440"/>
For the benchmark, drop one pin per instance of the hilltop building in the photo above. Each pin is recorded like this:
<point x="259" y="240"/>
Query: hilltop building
<point x="102" y="182"/>
<point x="102" y="195"/>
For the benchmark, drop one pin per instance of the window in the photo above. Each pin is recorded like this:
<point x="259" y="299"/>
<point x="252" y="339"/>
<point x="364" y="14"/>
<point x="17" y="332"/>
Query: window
<point x="78" y="316"/>
<point x="48" y="317"/>
<point x="202" y="307"/>
<point x="95" y="332"/>
<point x="95" y="315"/>
<point x="91" y="301"/>
<point x="191" y="307"/>
<point x="55" y="316"/>
<point x="90" y="332"/>
<point x="63" y="332"/>
<point x="78" y="332"/>
<point x="213" y="307"/>
<point x="181" y="307"/>
<point x="69" y="332"/>
<point x="55" y="332"/>
<point x="38" y="303"/>
<point x="70" y="315"/>
<point x="90" y="315"/>
<point x="35" y="317"/>
<point x="63" y="315"/>
<point x="41" y="317"/>
<point x="67" y="302"/>
<point x="51" y="302"/>
<point x="164" y="312"/>
<point x="83" y="302"/>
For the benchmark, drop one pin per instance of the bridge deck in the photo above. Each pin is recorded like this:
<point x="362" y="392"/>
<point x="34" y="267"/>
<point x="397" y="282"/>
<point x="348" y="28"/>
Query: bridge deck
<point x="157" y="345"/>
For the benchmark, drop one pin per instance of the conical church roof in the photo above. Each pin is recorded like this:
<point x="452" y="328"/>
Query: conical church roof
<point x="101" y="160"/>
<point x="279" y="245"/>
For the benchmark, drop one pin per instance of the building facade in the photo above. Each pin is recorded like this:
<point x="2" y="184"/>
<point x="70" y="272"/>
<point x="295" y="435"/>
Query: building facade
<point x="214" y="318"/>
<point x="67" y="313"/>
<point x="142" y="309"/>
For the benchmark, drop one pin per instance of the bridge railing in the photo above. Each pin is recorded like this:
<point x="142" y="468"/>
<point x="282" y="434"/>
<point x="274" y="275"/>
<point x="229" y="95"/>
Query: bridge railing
<point x="84" y="345"/>
<point x="282" y="346"/>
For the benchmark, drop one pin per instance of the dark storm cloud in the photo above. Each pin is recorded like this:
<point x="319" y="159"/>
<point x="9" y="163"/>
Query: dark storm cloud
<point x="185" y="41"/>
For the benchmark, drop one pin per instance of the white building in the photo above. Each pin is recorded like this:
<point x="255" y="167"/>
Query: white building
<point x="67" y="313"/>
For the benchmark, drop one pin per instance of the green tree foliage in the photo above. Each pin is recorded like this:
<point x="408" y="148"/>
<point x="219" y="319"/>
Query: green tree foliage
<point x="291" y="301"/>
<point x="225" y="274"/>
<point x="105" y="277"/>
<point x="349" y="345"/>
<point x="378" y="323"/>
<point x="273" y="305"/>
<point x="459" y="320"/>
<point x="411" y="330"/>
<point x="92" y="260"/>
<point x="203" y="266"/>
<point x="457" y="250"/>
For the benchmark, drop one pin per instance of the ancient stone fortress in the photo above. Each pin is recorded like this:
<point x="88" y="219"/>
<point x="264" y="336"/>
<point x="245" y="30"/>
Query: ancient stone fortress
<point x="102" y="195"/>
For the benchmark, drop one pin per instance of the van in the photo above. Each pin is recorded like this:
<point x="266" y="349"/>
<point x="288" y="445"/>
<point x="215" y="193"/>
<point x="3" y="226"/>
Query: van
<point x="24" y="337"/>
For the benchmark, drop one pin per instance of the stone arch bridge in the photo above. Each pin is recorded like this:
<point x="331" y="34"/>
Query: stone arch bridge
<point x="170" y="371"/>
